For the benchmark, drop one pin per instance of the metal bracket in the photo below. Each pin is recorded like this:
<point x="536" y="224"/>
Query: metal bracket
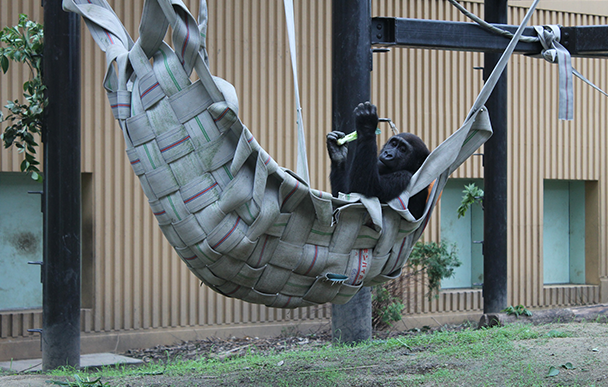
<point x="41" y="263"/>
<point x="37" y="330"/>
<point x="483" y="158"/>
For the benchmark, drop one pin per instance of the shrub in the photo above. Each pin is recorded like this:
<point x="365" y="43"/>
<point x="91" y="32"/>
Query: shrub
<point x="437" y="260"/>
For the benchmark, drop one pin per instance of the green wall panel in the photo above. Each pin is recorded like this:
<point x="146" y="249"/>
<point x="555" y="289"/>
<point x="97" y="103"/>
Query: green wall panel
<point x="20" y="242"/>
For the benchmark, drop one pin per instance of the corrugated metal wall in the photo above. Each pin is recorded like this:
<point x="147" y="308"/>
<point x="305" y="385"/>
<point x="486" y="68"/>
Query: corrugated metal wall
<point x="139" y="281"/>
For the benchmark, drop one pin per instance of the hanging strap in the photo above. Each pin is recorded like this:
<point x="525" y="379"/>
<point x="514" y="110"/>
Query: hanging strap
<point x="554" y="52"/>
<point x="302" y="161"/>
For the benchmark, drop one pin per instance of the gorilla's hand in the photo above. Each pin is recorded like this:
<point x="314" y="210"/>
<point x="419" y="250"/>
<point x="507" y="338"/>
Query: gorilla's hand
<point x="337" y="153"/>
<point x="366" y="120"/>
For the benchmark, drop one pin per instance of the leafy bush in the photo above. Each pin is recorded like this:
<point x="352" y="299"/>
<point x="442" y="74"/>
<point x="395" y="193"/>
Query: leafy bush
<point x="437" y="260"/>
<point x="24" y="43"/>
<point x="386" y="305"/>
<point x="472" y="194"/>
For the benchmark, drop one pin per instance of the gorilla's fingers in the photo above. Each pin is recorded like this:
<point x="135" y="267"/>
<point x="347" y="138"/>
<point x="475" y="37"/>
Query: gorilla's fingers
<point x="366" y="119"/>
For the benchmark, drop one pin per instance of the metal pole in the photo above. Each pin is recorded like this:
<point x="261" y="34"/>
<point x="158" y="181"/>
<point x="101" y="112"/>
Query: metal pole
<point x="495" y="179"/>
<point x="351" y="83"/>
<point x="62" y="204"/>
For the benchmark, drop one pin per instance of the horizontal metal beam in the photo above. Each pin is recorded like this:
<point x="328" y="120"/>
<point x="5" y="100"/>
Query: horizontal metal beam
<point x="586" y="41"/>
<point x="590" y="41"/>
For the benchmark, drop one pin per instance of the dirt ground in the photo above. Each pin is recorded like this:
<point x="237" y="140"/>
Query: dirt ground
<point x="585" y="348"/>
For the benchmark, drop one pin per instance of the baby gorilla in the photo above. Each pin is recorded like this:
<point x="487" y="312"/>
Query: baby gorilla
<point x="384" y="177"/>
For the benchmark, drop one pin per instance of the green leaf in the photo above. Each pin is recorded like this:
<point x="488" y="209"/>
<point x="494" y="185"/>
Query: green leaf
<point x="552" y="372"/>
<point x="36" y="176"/>
<point x="4" y="64"/>
<point x="568" y="366"/>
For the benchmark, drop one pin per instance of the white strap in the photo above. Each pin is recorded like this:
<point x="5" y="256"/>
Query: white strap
<point x="554" y="52"/>
<point x="302" y="160"/>
<point x="489" y="85"/>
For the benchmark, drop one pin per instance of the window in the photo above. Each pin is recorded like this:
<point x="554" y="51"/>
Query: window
<point x="564" y="232"/>
<point x="466" y="233"/>
<point x="20" y="242"/>
<point x="21" y="226"/>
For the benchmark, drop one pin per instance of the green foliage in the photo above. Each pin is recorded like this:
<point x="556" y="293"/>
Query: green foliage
<point x="24" y="43"/>
<point x="554" y="371"/>
<point x="472" y="194"/>
<point x="386" y="306"/>
<point x="437" y="260"/>
<point x="80" y="382"/>
<point x="518" y="310"/>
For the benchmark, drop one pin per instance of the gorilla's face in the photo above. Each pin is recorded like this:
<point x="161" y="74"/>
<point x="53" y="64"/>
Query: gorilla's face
<point x="402" y="152"/>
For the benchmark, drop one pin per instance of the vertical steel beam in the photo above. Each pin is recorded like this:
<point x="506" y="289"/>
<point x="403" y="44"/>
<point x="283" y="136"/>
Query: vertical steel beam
<point x="495" y="179"/>
<point x="62" y="208"/>
<point x="351" y="84"/>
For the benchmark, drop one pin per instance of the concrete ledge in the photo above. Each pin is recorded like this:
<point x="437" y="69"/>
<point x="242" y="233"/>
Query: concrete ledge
<point x="86" y="361"/>
<point x="436" y="319"/>
<point x="120" y="341"/>
<point x="546" y="316"/>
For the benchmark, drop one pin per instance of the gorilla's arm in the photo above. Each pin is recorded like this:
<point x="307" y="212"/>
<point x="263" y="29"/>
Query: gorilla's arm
<point x="365" y="178"/>
<point x="338" y="176"/>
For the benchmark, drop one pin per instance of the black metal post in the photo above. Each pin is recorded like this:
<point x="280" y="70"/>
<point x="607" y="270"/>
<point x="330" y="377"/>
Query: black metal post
<point x="495" y="180"/>
<point x="62" y="208"/>
<point x="351" y="83"/>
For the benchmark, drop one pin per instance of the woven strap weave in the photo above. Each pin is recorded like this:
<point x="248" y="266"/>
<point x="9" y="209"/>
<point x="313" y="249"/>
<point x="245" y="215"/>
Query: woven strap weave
<point x="243" y="225"/>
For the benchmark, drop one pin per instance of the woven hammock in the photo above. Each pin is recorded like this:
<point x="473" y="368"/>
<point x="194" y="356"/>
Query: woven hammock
<point x="246" y="227"/>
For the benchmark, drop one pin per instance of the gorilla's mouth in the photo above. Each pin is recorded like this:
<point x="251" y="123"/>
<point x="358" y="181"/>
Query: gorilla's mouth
<point x="382" y="166"/>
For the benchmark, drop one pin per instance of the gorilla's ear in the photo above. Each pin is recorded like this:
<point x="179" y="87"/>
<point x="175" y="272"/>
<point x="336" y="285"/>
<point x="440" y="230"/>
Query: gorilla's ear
<point x="420" y="153"/>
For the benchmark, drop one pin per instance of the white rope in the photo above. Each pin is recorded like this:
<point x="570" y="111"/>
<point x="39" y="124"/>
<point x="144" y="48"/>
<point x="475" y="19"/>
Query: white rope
<point x="302" y="160"/>
<point x="490" y="27"/>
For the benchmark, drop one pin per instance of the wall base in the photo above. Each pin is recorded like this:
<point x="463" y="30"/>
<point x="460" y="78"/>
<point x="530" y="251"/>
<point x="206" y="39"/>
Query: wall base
<point x="119" y="342"/>
<point x="604" y="290"/>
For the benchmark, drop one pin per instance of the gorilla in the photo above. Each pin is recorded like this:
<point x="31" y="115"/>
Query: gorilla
<point x="384" y="177"/>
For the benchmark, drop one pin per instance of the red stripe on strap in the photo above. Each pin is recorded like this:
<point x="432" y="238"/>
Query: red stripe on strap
<point x="154" y="86"/>
<point x="227" y="235"/>
<point x="291" y="193"/>
<point x="222" y="116"/>
<point x="175" y="144"/>
<point x="200" y="193"/>
<point x="313" y="261"/>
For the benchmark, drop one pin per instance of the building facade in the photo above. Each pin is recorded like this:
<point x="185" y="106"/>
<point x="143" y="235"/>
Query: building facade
<point x="135" y="290"/>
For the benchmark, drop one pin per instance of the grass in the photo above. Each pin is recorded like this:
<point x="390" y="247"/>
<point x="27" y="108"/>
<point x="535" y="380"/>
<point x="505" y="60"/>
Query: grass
<point x="505" y="356"/>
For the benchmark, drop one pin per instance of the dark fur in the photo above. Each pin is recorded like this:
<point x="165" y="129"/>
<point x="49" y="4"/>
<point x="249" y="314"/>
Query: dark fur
<point x="384" y="176"/>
